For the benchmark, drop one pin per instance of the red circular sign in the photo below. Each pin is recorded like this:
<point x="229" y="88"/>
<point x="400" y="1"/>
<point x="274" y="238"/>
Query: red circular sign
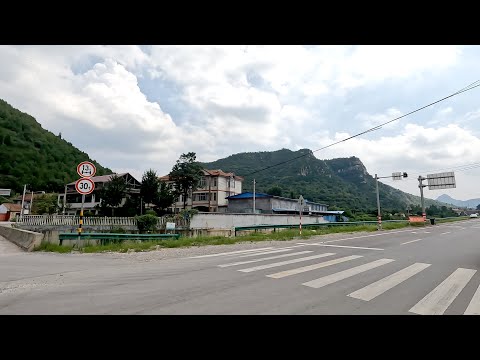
<point x="85" y="186"/>
<point x="86" y="169"/>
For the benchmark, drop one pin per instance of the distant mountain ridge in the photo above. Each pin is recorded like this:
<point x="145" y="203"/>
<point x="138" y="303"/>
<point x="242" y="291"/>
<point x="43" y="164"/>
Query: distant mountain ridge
<point x="341" y="183"/>
<point x="471" y="203"/>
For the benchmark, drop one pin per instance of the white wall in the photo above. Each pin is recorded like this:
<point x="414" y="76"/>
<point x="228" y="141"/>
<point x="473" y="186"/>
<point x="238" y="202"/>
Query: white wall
<point x="3" y="209"/>
<point x="227" y="221"/>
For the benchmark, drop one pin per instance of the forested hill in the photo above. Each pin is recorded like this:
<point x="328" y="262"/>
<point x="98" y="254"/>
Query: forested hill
<point x="342" y="183"/>
<point x="32" y="155"/>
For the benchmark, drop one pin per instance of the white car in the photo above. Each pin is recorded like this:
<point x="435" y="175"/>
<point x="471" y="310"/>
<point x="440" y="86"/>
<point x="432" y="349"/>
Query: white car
<point x="473" y="215"/>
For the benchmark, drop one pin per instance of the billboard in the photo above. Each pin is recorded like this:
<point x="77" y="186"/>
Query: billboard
<point x="5" y="192"/>
<point x="444" y="180"/>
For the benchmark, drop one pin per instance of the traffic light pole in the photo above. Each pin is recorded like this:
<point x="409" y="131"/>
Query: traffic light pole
<point x="379" y="215"/>
<point x="421" y="186"/>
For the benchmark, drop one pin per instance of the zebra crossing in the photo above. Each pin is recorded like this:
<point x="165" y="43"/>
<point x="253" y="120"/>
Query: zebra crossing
<point x="437" y="300"/>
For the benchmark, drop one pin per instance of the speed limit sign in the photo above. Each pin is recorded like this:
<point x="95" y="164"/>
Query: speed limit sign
<point x="85" y="186"/>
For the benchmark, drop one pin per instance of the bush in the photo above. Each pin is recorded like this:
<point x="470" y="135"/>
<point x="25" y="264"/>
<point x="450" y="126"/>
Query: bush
<point x="151" y="212"/>
<point x="146" y="223"/>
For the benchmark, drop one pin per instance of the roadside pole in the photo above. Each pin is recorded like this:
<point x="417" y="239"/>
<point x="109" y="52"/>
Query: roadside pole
<point x="253" y="196"/>
<point x="64" y="200"/>
<point x="84" y="186"/>
<point x="23" y="201"/>
<point x="81" y="222"/>
<point x="301" y="203"/>
<point x="421" y="186"/>
<point x="379" y="214"/>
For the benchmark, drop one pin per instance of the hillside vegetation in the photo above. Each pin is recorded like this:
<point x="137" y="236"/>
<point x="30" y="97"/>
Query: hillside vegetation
<point x="340" y="183"/>
<point x="32" y="155"/>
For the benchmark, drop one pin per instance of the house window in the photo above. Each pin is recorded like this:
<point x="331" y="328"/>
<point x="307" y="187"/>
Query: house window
<point x="214" y="198"/>
<point x="214" y="181"/>
<point x="201" y="197"/>
<point x="202" y="182"/>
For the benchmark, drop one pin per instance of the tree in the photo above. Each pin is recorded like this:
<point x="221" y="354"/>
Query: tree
<point x="113" y="192"/>
<point x="150" y="187"/>
<point x="45" y="204"/>
<point x="165" y="197"/>
<point x="186" y="174"/>
<point x="275" y="190"/>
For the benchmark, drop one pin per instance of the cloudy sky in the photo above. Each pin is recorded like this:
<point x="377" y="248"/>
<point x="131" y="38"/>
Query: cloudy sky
<point x="138" y="107"/>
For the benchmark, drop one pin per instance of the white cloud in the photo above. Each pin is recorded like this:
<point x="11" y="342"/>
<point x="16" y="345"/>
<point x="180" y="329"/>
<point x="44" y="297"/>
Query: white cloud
<point x="219" y="100"/>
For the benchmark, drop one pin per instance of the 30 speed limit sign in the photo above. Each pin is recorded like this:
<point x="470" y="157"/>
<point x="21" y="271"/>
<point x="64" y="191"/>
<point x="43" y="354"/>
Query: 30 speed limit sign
<point x="85" y="186"/>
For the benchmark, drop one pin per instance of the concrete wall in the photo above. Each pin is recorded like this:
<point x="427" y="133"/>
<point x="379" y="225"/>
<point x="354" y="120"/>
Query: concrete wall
<point x="242" y="205"/>
<point x="27" y="240"/>
<point x="228" y="220"/>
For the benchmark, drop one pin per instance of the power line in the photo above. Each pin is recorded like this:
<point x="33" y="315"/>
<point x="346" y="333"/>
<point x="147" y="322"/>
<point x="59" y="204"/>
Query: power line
<point x="467" y="88"/>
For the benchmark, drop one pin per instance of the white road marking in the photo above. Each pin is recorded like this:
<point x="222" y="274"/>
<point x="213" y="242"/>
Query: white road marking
<point x="414" y="232"/>
<point x="377" y="288"/>
<point x="408" y="242"/>
<point x="344" y="246"/>
<point x="230" y="253"/>
<point x="330" y="279"/>
<point x="268" y="266"/>
<point x="267" y="258"/>
<point x="439" y="299"/>
<point x="312" y="267"/>
<point x="445" y="233"/>
<point x="474" y="306"/>
<point x="365" y="236"/>
<point x="426" y="232"/>
<point x="265" y="252"/>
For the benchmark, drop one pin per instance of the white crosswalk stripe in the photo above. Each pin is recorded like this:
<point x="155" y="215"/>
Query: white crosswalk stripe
<point x="264" y="259"/>
<point x="285" y="273"/>
<point x="268" y="266"/>
<point x="474" y="306"/>
<point x="439" y="299"/>
<point x="330" y="279"/>
<point x="230" y="253"/>
<point x="371" y="291"/>
<point x="265" y="253"/>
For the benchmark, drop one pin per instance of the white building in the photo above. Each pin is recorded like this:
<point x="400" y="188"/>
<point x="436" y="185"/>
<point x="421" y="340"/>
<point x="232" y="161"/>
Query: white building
<point x="214" y="187"/>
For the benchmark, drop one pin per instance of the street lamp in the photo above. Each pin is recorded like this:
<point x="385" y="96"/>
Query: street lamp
<point x="394" y="176"/>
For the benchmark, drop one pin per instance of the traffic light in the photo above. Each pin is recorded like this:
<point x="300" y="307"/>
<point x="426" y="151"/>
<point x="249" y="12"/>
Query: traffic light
<point x="405" y="175"/>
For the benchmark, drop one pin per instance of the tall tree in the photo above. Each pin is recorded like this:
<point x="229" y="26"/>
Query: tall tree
<point x="45" y="204"/>
<point x="150" y="186"/>
<point x="186" y="174"/>
<point x="113" y="192"/>
<point x="165" y="197"/>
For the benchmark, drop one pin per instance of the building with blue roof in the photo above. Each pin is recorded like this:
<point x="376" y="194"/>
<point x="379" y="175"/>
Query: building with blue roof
<point x="271" y="204"/>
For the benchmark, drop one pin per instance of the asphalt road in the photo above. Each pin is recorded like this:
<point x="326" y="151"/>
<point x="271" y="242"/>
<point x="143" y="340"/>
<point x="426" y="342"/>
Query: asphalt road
<point x="421" y="271"/>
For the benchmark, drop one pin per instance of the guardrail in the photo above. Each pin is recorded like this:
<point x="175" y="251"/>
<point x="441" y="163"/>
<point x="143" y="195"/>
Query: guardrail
<point x="109" y="237"/>
<point x="349" y="223"/>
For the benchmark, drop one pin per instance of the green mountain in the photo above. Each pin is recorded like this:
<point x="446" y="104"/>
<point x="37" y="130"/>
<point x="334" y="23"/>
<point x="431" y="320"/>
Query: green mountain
<point x="32" y="155"/>
<point x="342" y="183"/>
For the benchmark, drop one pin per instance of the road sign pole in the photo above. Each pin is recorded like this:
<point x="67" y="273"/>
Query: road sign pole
<point x="23" y="201"/>
<point x="300" y="220"/>
<point x="379" y="216"/>
<point x="81" y="221"/>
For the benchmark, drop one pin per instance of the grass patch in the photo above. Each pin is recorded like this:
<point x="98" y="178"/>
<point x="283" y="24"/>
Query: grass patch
<point x="444" y="220"/>
<point x="281" y="235"/>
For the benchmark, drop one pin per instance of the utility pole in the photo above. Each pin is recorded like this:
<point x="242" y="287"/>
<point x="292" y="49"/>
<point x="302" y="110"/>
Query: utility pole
<point x="64" y="200"/>
<point x="254" y="196"/>
<point x="421" y="186"/>
<point x="31" y="204"/>
<point x="23" y="200"/>
<point x="379" y="216"/>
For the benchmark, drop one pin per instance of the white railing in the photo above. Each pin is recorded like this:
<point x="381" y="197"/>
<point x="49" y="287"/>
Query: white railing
<point x="73" y="220"/>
